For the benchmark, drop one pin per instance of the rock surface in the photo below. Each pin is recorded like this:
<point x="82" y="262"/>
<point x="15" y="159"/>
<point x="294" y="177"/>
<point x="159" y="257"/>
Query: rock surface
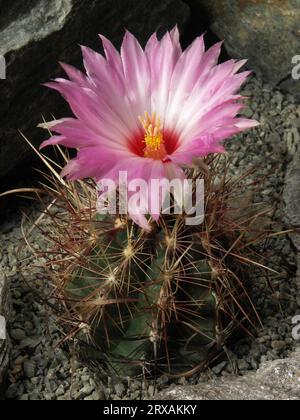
<point x="264" y="31"/>
<point x="291" y="196"/>
<point x="278" y="380"/>
<point x="36" y="34"/>
<point x="4" y="342"/>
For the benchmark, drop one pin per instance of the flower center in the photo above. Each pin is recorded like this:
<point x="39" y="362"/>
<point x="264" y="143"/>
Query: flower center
<point x="153" y="140"/>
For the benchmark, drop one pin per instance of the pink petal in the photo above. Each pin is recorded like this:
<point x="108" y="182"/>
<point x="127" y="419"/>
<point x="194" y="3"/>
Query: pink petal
<point x="112" y="55"/>
<point x="184" y="78"/>
<point x="200" y="147"/>
<point x="151" y="48"/>
<point x="175" y="38"/>
<point x="140" y="220"/>
<point x="108" y="78"/>
<point x="92" y="111"/>
<point x="54" y="140"/>
<point x="209" y="121"/>
<point x="73" y="134"/>
<point x="137" y="74"/>
<point x="245" y="123"/>
<point x="75" y="75"/>
<point x="90" y="162"/>
<point x="155" y="203"/>
<point x="162" y="57"/>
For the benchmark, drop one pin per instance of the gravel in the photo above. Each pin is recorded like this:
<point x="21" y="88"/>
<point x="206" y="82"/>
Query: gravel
<point x="42" y="368"/>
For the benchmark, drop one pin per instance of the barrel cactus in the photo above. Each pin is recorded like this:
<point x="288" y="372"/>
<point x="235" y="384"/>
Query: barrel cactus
<point x="144" y="291"/>
<point x="165" y="300"/>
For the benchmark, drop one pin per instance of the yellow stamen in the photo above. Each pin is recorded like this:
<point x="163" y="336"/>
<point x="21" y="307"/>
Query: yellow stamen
<point x="154" y="142"/>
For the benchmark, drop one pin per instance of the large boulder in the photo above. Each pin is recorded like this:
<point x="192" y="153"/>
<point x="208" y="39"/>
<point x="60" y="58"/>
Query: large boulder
<point x="264" y="31"/>
<point x="278" y="380"/>
<point x="291" y="197"/>
<point x="36" y="34"/>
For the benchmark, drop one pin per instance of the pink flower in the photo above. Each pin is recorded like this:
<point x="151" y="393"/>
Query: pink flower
<point x="148" y="112"/>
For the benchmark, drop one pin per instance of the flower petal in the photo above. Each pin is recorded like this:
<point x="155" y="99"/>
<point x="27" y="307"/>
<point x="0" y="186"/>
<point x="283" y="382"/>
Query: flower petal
<point x="162" y="57"/>
<point x="136" y="73"/>
<point x="90" y="162"/>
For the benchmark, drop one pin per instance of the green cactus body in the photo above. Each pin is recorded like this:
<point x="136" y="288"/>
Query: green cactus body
<point x="156" y="306"/>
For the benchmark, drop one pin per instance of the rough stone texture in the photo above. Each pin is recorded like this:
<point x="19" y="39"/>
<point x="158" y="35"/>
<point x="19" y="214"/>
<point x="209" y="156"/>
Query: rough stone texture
<point x="291" y="196"/>
<point x="4" y="344"/>
<point x="278" y="380"/>
<point x="264" y="31"/>
<point x="36" y="34"/>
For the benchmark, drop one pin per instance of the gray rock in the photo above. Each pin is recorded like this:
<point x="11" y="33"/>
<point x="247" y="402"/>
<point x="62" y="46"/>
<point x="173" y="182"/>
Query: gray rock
<point x="120" y="389"/>
<point x="243" y="365"/>
<point x="98" y="395"/>
<point x="35" y="35"/>
<point x="60" y="391"/>
<point x="278" y="380"/>
<point x="219" y="368"/>
<point x="278" y="345"/>
<point x="18" y="334"/>
<point x="86" y="391"/>
<point x="291" y="196"/>
<point x="4" y="339"/>
<point x="265" y="32"/>
<point x="30" y="368"/>
<point x="12" y="392"/>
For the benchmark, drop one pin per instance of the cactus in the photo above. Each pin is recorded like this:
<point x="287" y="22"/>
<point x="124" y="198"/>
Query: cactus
<point x="167" y="300"/>
<point x="147" y="289"/>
